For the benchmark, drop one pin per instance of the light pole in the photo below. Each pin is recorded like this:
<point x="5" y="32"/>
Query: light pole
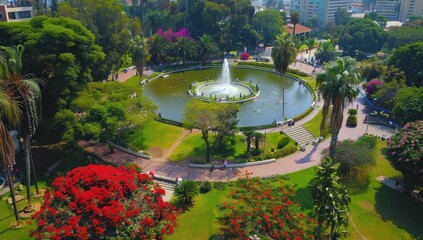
<point x="368" y="122"/>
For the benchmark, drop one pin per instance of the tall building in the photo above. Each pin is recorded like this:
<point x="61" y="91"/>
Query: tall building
<point x="388" y="9"/>
<point x="322" y="10"/>
<point x="13" y="12"/>
<point x="410" y="8"/>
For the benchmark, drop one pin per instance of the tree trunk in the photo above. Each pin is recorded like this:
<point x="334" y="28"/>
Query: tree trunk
<point x="283" y="97"/>
<point x="248" y="143"/>
<point x="207" y="150"/>
<point x="27" y="173"/>
<point x="333" y="141"/>
<point x="37" y="190"/>
<point x="12" y="194"/>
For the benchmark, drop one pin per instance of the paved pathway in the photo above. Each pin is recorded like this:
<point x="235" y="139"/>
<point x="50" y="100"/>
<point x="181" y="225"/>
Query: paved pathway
<point x="292" y="163"/>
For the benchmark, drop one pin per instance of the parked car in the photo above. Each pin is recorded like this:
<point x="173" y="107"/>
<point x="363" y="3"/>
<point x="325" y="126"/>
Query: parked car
<point x="262" y="59"/>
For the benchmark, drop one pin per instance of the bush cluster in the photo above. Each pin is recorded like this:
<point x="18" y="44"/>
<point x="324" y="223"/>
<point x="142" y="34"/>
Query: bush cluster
<point x="352" y="121"/>
<point x="276" y="154"/>
<point x="205" y="187"/>
<point x="283" y="142"/>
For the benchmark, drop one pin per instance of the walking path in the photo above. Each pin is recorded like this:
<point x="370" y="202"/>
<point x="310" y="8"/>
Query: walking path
<point x="292" y="163"/>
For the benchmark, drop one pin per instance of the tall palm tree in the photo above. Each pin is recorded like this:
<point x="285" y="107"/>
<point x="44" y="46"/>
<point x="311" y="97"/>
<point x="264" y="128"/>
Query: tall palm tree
<point x="26" y="90"/>
<point x="310" y="45"/>
<point x="295" y="19"/>
<point x="330" y="199"/>
<point x="9" y="113"/>
<point x="174" y="10"/>
<point x="338" y="85"/>
<point x="139" y="50"/>
<point x="159" y="47"/>
<point x="186" y="48"/>
<point x="207" y="48"/>
<point x="284" y="53"/>
<point x="325" y="53"/>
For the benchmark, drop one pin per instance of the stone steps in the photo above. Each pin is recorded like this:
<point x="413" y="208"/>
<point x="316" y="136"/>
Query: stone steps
<point x="299" y="134"/>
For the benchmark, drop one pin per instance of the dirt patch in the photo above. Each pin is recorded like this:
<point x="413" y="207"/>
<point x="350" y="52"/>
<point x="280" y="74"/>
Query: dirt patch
<point x="155" y="152"/>
<point x="366" y="205"/>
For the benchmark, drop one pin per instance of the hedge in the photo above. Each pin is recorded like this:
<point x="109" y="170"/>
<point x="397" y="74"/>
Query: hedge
<point x="352" y="121"/>
<point x="301" y="116"/>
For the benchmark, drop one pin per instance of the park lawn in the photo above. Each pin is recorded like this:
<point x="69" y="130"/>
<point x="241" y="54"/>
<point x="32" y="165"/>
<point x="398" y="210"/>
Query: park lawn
<point x="381" y="212"/>
<point x="313" y="126"/>
<point x="155" y="134"/>
<point x="193" y="147"/>
<point x="199" y="221"/>
<point x="272" y="140"/>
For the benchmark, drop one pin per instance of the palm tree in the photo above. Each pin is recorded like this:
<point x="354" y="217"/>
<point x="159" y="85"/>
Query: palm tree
<point x="186" y="191"/>
<point x="295" y="19"/>
<point x="310" y="45"/>
<point x="26" y="90"/>
<point x="139" y="50"/>
<point x="248" y="135"/>
<point x="11" y="114"/>
<point x="207" y="48"/>
<point x="284" y="53"/>
<point x="330" y="199"/>
<point x="338" y="85"/>
<point x="159" y="47"/>
<point x="325" y="53"/>
<point x="174" y="10"/>
<point x="186" y="48"/>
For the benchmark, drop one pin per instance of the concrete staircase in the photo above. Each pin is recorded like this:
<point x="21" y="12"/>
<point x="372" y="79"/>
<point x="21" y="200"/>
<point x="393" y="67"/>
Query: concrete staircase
<point x="299" y="134"/>
<point x="168" y="187"/>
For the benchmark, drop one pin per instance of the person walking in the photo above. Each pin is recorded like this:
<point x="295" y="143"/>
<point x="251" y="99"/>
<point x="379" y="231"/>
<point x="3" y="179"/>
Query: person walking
<point x="225" y="164"/>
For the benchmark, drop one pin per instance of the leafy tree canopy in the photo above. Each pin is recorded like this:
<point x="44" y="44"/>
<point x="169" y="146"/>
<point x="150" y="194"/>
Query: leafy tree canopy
<point x="409" y="59"/>
<point x="409" y="105"/>
<point x="269" y="24"/>
<point x="363" y="35"/>
<point x="400" y="36"/>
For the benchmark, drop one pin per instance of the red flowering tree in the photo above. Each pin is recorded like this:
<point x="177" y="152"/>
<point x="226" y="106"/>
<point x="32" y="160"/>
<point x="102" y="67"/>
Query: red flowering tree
<point x="405" y="151"/>
<point x="244" y="56"/>
<point x="260" y="208"/>
<point x="103" y="202"/>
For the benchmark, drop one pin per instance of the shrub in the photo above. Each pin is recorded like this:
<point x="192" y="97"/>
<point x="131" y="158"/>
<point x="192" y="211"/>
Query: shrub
<point x="205" y="187"/>
<point x="352" y="111"/>
<point x="371" y="87"/>
<point x="352" y="121"/>
<point x="186" y="191"/>
<point x="245" y="56"/>
<point x="220" y="185"/>
<point x="283" y="142"/>
<point x="304" y="114"/>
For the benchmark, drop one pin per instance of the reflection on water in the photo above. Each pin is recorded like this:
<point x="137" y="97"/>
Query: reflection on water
<point x="171" y="95"/>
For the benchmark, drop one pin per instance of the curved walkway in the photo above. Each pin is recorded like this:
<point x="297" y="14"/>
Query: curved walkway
<point x="292" y="163"/>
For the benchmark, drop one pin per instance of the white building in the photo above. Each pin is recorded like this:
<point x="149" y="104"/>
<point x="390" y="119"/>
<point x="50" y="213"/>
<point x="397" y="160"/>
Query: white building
<point x="12" y="13"/>
<point x="388" y="9"/>
<point x="323" y="10"/>
<point x="410" y="8"/>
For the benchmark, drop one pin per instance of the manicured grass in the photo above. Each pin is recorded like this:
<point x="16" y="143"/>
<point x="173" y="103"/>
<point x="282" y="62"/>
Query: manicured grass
<point x="199" y="221"/>
<point x="154" y="134"/>
<point x="193" y="147"/>
<point x="313" y="126"/>
<point x="273" y="139"/>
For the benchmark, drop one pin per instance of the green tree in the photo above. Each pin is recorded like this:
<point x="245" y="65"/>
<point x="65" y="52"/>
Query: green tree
<point x="338" y="85"/>
<point x="25" y="88"/>
<point x="409" y="58"/>
<point x="248" y="135"/>
<point x="295" y="19"/>
<point x="408" y="105"/>
<point x="284" y="53"/>
<point x="159" y="48"/>
<point x="225" y="127"/>
<point x="186" y="48"/>
<point x="330" y="200"/>
<point x="325" y="53"/>
<point x="372" y="68"/>
<point x="268" y="24"/>
<point x="139" y="51"/>
<point x="310" y="45"/>
<point x="386" y="93"/>
<point x="207" y="48"/>
<point x="186" y="191"/>
<point x="342" y="16"/>
<point x="400" y="36"/>
<point x="405" y="154"/>
<point x="363" y="35"/>
<point x="377" y="18"/>
<point x="174" y="10"/>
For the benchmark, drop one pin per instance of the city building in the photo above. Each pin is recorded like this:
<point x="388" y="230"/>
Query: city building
<point x="410" y="8"/>
<point x="12" y="12"/>
<point x="388" y="9"/>
<point x="322" y="10"/>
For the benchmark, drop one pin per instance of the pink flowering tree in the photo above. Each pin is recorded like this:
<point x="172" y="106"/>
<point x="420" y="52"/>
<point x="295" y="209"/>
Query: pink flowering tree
<point x="104" y="202"/>
<point x="172" y="36"/>
<point x="260" y="208"/>
<point x="405" y="151"/>
<point x="371" y="87"/>
<point x="245" y="56"/>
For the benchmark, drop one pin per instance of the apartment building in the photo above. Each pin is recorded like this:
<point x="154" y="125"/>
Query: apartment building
<point x="12" y="12"/>
<point x="323" y="10"/>
<point x="388" y="9"/>
<point x="410" y="8"/>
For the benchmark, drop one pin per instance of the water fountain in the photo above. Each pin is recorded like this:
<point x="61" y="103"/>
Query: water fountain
<point x="223" y="89"/>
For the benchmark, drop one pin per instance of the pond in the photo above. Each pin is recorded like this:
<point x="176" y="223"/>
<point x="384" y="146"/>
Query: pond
<point x="170" y="94"/>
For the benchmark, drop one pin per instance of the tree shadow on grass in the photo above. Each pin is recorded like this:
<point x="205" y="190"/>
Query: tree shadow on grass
<point x="401" y="209"/>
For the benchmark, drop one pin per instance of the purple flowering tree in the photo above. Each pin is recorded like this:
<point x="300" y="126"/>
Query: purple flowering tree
<point x="372" y="86"/>
<point x="405" y="151"/>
